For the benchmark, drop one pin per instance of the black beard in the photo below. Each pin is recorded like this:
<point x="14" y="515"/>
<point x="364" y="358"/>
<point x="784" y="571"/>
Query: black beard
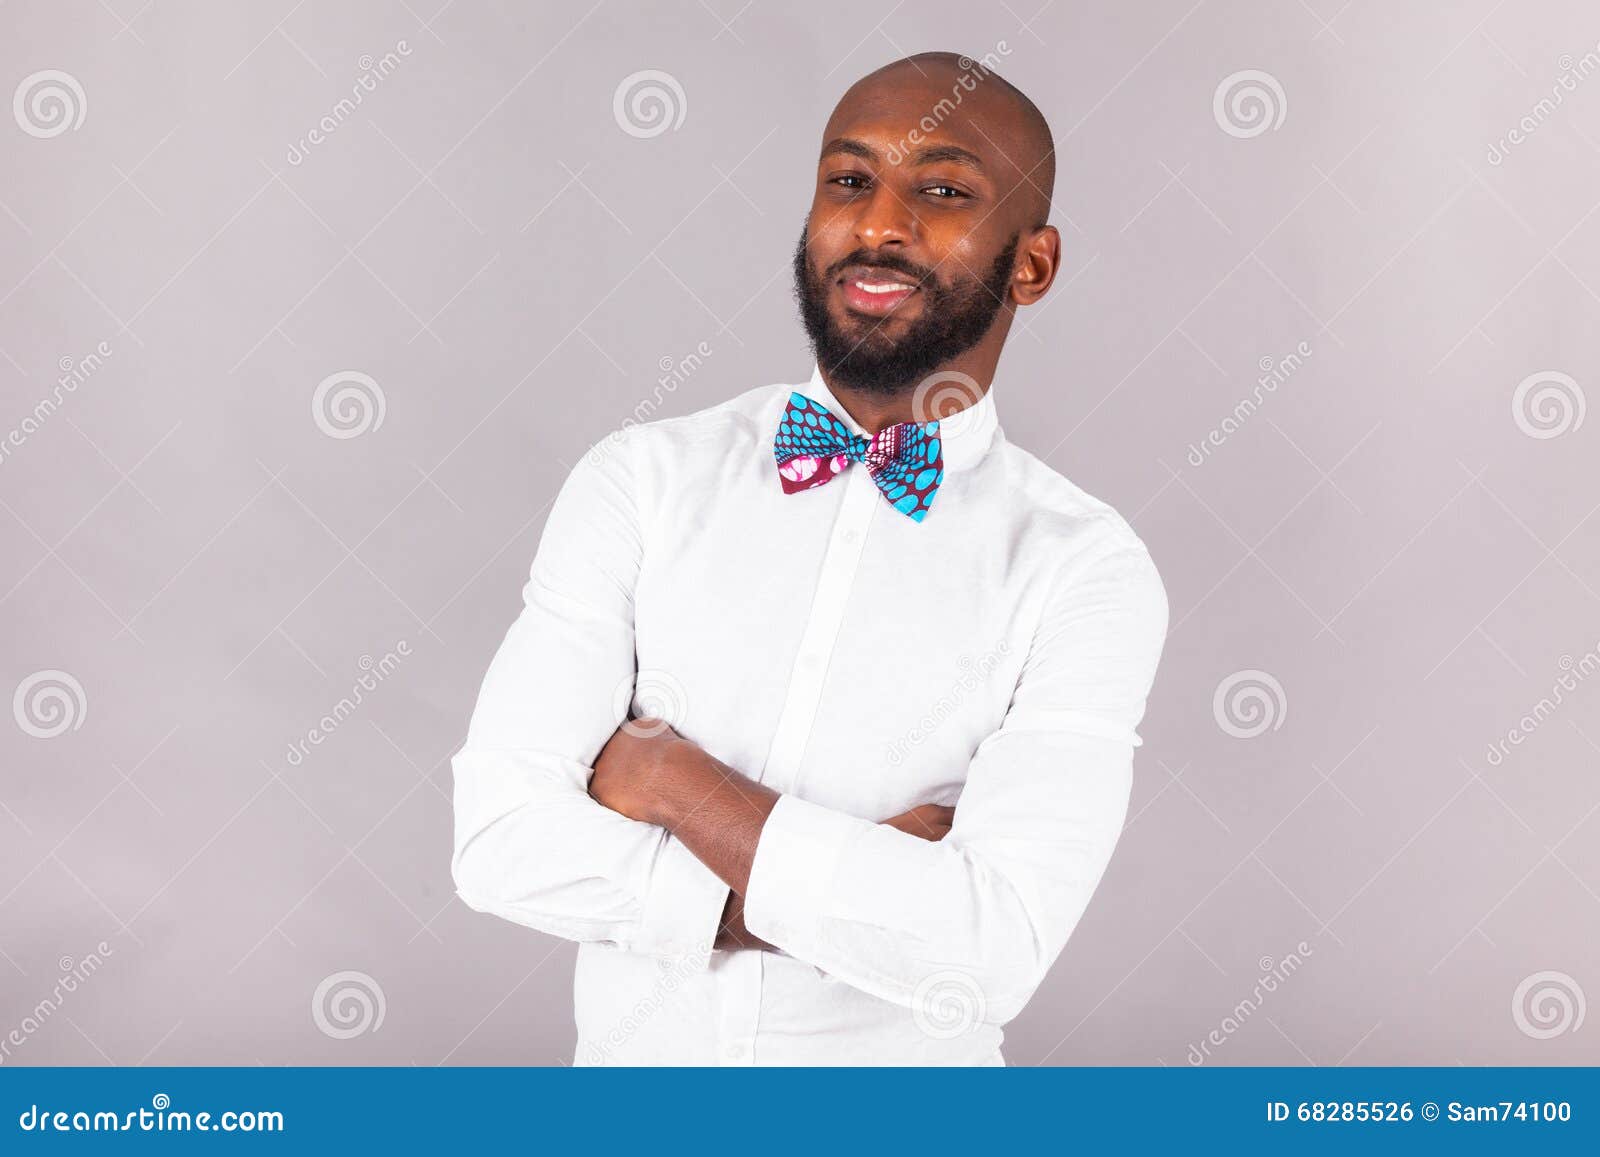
<point x="954" y="319"/>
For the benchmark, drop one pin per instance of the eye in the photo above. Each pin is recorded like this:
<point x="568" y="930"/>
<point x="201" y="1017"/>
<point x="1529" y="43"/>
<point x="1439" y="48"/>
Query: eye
<point x="852" y="181"/>
<point x="944" y="192"/>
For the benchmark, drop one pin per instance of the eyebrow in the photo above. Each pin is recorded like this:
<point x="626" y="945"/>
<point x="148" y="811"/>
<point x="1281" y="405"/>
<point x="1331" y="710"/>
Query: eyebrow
<point x="952" y="153"/>
<point x="848" y="145"/>
<point x="931" y="155"/>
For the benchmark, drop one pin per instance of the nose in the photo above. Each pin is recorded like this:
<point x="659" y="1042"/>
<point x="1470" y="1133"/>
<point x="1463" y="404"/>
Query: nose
<point x="884" y="220"/>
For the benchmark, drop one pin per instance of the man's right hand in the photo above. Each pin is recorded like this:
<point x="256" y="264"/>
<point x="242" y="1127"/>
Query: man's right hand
<point x="930" y="821"/>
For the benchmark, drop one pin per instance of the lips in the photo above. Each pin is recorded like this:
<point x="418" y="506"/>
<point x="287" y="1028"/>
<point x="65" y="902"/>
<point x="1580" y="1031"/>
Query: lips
<point x="876" y="292"/>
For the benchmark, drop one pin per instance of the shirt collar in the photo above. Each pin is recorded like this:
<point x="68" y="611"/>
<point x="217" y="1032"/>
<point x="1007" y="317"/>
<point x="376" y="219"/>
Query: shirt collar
<point x="964" y="436"/>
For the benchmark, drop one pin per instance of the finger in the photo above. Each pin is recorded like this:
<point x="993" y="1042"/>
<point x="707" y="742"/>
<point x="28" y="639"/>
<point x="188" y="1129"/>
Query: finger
<point x="933" y="815"/>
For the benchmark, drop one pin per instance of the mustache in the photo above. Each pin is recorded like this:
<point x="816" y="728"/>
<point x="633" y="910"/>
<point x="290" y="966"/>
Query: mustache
<point x="887" y="261"/>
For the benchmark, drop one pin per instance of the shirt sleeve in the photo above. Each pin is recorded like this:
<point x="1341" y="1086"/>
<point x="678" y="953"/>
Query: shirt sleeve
<point x="531" y="845"/>
<point x="970" y="925"/>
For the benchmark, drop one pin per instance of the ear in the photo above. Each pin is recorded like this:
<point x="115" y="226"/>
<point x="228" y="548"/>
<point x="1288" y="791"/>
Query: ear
<point x="1037" y="261"/>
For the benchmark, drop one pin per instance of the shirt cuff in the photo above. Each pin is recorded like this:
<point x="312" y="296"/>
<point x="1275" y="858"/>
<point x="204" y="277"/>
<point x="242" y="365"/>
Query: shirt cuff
<point x="791" y="879"/>
<point x="682" y="909"/>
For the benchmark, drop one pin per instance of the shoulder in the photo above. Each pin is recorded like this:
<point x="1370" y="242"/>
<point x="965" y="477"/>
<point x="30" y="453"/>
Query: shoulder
<point x="1060" y="517"/>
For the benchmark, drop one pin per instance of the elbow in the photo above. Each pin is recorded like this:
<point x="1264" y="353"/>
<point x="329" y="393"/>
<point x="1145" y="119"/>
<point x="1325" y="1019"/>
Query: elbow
<point x="497" y="880"/>
<point x="955" y="997"/>
<point x="1015" y="927"/>
<point x="474" y="883"/>
<point x="505" y="817"/>
<point x="989" y="974"/>
<point x="1006" y="968"/>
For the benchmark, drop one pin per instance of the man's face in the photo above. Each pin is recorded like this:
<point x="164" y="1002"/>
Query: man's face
<point x="908" y="253"/>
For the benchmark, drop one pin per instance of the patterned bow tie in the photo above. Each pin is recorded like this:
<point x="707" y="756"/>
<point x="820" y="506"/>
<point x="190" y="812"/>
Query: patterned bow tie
<point x="904" y="460"/>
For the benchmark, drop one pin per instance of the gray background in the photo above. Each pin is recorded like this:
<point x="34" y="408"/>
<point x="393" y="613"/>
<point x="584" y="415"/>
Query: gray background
<point x="1385" y="537"/>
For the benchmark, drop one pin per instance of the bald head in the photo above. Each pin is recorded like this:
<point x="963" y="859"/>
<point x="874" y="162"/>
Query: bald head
<point x="957" y="101"/>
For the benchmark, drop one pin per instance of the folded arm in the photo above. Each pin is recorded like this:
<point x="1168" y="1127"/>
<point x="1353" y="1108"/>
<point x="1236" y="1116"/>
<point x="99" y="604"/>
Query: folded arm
<point x="531" y="845"/>
<point x="994" y="902"/>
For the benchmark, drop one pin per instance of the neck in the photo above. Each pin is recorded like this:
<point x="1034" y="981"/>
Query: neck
<point x="875" y="410"/>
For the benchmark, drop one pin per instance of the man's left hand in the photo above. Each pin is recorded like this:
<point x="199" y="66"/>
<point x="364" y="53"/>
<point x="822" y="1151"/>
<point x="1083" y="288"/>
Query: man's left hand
<point x="629" y="772"/>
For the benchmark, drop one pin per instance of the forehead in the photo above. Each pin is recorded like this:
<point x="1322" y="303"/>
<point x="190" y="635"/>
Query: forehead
<point x="902" y="108"/>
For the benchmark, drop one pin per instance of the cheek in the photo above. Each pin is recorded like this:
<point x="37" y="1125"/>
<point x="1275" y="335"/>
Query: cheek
<point x="828" y="210"/>
<point x="961" y="252"/>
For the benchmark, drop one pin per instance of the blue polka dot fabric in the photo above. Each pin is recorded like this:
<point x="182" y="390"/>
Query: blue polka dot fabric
<point x="812" y="446"/>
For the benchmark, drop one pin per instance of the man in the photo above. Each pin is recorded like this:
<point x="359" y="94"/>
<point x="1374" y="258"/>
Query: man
<point x="830" y="603"/>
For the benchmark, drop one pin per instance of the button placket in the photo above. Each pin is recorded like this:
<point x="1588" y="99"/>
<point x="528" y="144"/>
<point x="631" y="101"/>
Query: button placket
<point x="834" y="583"/>
<point x="740" y="980"/>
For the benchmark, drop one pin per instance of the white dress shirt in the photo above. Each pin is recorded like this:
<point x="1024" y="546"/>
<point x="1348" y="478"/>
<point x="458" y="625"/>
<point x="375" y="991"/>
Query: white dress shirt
<point x="995" y="656"/>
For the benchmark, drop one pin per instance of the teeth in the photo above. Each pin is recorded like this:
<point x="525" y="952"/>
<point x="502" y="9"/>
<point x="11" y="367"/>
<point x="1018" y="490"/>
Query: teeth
<point x="874" y="287"/>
